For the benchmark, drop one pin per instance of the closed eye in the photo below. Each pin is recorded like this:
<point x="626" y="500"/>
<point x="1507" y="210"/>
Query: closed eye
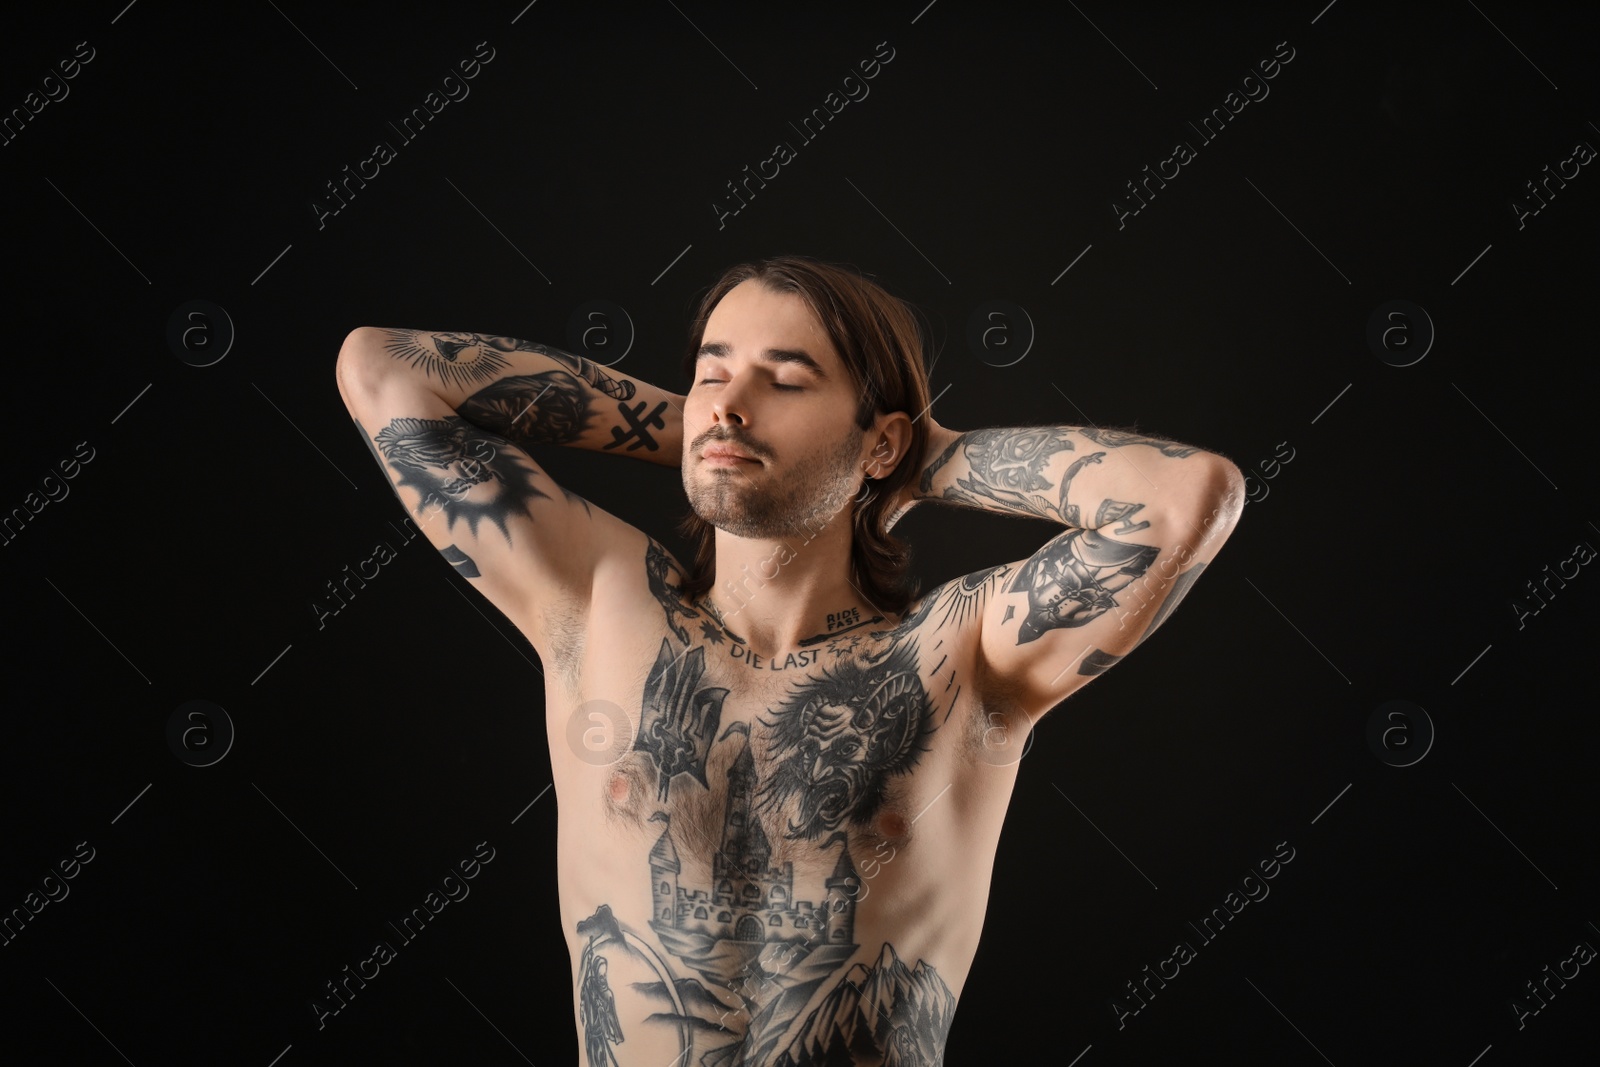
<point x="775" y="385"/>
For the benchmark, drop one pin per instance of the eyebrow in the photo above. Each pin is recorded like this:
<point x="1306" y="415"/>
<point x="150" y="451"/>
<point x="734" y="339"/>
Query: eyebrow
<point x="720" y="350"/>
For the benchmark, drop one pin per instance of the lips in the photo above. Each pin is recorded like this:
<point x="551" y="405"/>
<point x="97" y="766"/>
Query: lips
<point x="726" y="453"/>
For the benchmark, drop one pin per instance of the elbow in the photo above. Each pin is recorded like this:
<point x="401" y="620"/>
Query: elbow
<point x="354" y="369"/>
<point x="1227" y="488"/>
<point x="359" y="354"/>
<point x="1221" y="491"/>
<point x="1220" y="507"/>
<point x="1212" y="502"/>
<point x="359" y="344"/>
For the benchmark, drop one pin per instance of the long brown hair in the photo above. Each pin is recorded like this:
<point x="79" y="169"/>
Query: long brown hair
<point x="881" y="342"/>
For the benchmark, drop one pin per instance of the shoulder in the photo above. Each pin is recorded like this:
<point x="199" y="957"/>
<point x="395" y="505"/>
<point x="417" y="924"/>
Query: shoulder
<point x="945" y="624"/>
<point x="952" y="609"/>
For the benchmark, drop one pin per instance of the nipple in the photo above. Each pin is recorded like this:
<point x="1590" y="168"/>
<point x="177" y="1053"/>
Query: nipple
<point x="892" y="824"/>
<point x="619" y="787"/>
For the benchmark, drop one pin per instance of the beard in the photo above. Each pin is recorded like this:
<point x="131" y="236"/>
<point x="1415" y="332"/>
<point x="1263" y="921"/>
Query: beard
<point x="765" y="505"/>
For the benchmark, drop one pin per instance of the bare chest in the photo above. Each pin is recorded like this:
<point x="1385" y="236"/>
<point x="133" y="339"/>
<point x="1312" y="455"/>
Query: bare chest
<point x="720" y="753"/>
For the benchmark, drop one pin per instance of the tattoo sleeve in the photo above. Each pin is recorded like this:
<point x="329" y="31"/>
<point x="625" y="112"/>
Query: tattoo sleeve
<point x="533" y="394"/>
<point x="1075" y="578"/>
<point x="457" y="469"/>
<point x="1080" y="476"/>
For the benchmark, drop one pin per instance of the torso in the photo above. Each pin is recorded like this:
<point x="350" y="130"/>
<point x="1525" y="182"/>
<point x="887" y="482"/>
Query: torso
<point x="771" y="861"/>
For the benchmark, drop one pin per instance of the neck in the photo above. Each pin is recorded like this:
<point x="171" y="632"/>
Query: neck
<point x="787" y="593"/>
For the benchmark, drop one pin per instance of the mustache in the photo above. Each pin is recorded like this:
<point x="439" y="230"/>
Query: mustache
<point x="741" y="443"/>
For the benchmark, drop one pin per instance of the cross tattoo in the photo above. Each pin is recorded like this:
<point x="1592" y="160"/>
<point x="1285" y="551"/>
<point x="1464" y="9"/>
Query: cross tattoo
<point x="638" y="427"/>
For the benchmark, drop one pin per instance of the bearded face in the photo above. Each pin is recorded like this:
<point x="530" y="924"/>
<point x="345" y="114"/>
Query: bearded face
<point x="789" y="495"/>
<point x="835" y="742"/>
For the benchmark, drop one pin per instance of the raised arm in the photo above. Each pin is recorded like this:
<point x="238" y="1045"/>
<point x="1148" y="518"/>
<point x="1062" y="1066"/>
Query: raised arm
<point x="531" y="393"/>
<point x="1144" y="516"/>
<point x="451" y="419"/>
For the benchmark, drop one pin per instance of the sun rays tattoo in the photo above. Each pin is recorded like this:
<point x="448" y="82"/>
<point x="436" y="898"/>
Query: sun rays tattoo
<point x="837" y="739"/>
<point x="456" y="466"/>
<point x="457" y="358"/>
<point x="469" y="358"/>
<point x="963" y="598"/>
<point x="959" y="599"/>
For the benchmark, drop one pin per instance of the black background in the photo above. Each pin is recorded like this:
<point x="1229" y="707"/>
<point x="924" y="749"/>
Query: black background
<point x="1382" y="563"/>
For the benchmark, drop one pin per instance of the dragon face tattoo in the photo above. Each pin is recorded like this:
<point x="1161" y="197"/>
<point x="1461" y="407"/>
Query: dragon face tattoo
<point x="837" y="739"/>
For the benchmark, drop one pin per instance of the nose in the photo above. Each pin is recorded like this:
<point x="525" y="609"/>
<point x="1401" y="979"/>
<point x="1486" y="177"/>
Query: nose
<point x="730" y="404"/>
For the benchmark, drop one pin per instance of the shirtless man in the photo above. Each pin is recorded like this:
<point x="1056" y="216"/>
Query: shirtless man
<point x="780" y="776"/>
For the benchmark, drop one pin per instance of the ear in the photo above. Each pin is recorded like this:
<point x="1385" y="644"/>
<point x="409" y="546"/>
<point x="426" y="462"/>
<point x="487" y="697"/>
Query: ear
<point x="884" y="444"/>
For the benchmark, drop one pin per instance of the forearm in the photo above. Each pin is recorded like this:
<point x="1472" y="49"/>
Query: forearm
<point x="529" y="393"/>
<point x="1080" y="476"/>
